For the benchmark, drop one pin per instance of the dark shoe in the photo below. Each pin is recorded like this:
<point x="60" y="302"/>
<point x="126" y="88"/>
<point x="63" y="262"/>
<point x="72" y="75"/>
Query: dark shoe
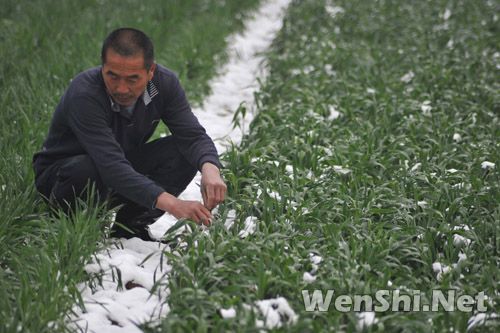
<point x="134" y="227"/>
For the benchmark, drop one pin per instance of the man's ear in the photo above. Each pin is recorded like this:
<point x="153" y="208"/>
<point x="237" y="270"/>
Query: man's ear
<point x="151" y="71"/>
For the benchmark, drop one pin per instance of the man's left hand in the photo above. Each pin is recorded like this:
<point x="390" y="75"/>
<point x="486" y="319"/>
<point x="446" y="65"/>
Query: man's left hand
<point x="213" y="188"/>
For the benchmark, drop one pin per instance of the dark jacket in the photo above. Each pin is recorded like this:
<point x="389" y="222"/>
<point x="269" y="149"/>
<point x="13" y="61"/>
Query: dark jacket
<point x="86" y="123"/>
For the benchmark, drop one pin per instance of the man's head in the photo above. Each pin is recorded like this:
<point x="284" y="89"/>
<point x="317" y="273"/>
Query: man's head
<point x="127" y="64"/>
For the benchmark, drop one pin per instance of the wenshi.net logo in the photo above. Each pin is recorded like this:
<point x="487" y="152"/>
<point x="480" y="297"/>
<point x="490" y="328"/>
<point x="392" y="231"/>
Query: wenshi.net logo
<point x="394" y="300"/>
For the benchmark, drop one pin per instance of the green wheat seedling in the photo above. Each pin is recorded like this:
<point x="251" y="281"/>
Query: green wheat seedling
<point x="42" y="258"/>
<point x="367" y="150"/>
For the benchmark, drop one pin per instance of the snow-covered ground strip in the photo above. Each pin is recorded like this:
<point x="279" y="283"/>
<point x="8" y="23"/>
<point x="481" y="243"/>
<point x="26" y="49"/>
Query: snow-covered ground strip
<point x="131" y="269"/>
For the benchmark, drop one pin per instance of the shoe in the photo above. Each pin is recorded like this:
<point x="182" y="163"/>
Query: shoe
<point x="134" y="227"/>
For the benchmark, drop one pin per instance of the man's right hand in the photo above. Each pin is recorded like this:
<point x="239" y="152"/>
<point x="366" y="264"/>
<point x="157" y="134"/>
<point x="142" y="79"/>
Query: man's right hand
<point x="193" y="210"/>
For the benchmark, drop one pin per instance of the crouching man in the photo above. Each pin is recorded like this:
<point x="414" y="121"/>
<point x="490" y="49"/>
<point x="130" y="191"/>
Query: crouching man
<point x="99" y="136"/>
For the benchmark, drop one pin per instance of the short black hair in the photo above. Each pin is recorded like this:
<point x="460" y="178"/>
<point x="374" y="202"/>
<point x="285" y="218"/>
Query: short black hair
<point x="129" y="42"/>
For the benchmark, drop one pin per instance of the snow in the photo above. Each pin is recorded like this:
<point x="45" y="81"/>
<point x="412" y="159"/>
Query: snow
<point x="274" y="310"/>
<point x="250" y="225"/>
<point x="407" y="77"/>
<point x="165" y="222"/>
<point x="231" y="216"/>
<point x="426" y="108"/>
<point x="480" y="319"/>
<point x="274" y="195"/>
<point x="315" y="258"/>
<point x="108" y="305"/>
<point x="440" y="270"/>
<point x="329" y="69"/>
<point x="133" y="268"/>
<point x="308" y="277"/>
<point x="487" y="165"/>
<point x="333" y="11"/>
<point x="365" y="320"/>
<point x="341" y="170"/>
<point x="416" y="167"/>
<point x="422" y="204"/>
<point x="275" y="313"/>
<point x="446" y="14"/>
<point x="461" y="257"/>
<point x="334" y="114"/>
<point x="459" y="240"/>
<point x="228" y="313"/>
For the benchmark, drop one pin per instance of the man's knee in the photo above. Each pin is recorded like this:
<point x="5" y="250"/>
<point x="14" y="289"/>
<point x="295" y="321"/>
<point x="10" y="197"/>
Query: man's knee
<point x="74" y="178"/>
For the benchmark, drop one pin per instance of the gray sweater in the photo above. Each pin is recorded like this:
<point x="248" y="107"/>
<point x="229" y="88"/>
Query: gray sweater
<point x="86" y="122"/>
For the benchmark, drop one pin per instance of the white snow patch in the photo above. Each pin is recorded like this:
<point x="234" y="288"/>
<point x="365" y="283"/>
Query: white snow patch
<point x="462" y="227"/>
<point x="365" y="320"/>
<point x="407" y="77"/>
<point x="329" y="70"/>
<point x="440" y="270"/>
<point x="461" y="257"/>
<point x="249" y="228"/>
<point x="426" y="108"/>
<point x="487" y="165"/>
<point x="315" y="261"/>
<point x="162" y="225"/>
<point x="315" y="258"/>
<point x="273" y="311"/>
<point x="334" y="113"/>
<point x="274" y="195"/>
<point x="459" y="240"/>
<point x="341" y="170"/>
<point x="416" y="167"/>
<point x="446" y="14"/>
<point x="106" y="303"/>
<point x="231" y="216"/>
<point x="480" y="319"/>
<point x="333" y="11"/>
<point x="461" y="186"/>
<point x="228" y="313"/>
<point x="422" y="204"/>
<point x="308" y="277"/>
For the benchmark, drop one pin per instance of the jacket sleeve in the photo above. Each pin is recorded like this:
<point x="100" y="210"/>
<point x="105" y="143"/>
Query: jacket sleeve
<point x="191" y="138"/>
<point x="87" y="120"/>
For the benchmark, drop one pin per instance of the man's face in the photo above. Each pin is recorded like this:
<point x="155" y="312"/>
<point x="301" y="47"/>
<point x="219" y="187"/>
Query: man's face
<point x="125" y="77"/>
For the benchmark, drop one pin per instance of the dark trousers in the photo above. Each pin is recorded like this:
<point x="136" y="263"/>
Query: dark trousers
<point x="66" y="180"/>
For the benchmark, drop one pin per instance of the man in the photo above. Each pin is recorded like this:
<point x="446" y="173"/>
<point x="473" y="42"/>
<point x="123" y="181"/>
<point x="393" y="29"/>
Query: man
<point x="99" y="132"/>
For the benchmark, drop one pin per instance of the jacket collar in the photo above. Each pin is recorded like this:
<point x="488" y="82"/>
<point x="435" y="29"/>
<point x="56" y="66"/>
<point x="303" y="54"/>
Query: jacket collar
<point x="149" y="93"/>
